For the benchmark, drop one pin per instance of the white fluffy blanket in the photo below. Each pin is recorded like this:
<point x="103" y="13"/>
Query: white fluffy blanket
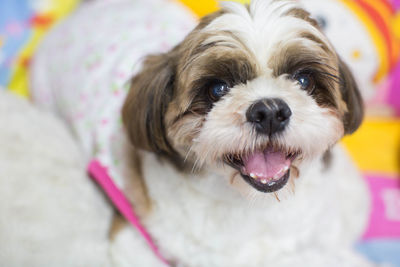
<point x="51" y="214"/>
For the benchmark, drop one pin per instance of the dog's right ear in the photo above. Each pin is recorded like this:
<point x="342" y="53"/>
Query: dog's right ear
<point x="143" y="112"/>
<point x="352" y="97"/>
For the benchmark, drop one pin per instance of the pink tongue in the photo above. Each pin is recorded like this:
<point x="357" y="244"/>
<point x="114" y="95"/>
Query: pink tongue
<point x="266" y="165"/>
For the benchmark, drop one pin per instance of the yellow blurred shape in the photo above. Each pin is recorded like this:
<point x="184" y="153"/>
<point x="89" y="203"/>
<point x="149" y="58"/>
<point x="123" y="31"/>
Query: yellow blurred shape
<point x="376" y="146"/>
<point x="243" y="1"/>
<point x="396" y="24"/>
<point x="204" y="7"/>
<point x="356" y="54"/>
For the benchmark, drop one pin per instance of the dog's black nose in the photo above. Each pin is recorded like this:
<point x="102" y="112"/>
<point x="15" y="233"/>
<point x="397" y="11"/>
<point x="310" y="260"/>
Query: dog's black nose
<point x="269" y="116"/>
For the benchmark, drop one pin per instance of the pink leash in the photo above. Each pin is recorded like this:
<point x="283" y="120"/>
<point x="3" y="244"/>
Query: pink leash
<point x="117" y="197"/>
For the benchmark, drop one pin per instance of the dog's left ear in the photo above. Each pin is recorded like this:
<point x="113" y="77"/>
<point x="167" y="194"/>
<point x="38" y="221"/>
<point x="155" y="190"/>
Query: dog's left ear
<point x="352" y="97"/>
<point x="146" y="104"/>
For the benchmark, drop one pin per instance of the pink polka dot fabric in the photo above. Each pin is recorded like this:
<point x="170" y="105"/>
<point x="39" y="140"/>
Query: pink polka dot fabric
<point x="82" y="69"/>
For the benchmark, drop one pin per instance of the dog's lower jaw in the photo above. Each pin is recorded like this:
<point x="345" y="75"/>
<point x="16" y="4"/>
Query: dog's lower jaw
<point x="268" y="186"/>
<point x="194" y="218"/>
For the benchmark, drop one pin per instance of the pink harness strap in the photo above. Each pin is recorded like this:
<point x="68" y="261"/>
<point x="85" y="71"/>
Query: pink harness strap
<point x="117" y="197"/>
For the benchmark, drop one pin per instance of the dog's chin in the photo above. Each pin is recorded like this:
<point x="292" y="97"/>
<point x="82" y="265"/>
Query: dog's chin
<point x="266" y="170"/>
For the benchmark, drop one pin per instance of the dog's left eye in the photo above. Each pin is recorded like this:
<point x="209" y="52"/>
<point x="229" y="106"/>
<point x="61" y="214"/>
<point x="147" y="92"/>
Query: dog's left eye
<point x="305" y="80"/>
<point x="218" y="90"/>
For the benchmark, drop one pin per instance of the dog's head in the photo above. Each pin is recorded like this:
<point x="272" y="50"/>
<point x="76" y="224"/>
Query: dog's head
<point x="253" y="89"/>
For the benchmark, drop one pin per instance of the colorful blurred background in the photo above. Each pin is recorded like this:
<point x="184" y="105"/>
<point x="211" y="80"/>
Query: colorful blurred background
<point x="366" y="34"/>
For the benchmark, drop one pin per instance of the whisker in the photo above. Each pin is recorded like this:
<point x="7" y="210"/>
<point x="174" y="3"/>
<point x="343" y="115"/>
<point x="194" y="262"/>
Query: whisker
<point x="233" y="177"/>
<point x="292" y="185"/>
<point x="187" y="154"/>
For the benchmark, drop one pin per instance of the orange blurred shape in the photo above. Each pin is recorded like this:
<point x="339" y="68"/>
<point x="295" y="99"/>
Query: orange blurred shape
<point x="25" y="62"/>
<point x="42" y="20"/>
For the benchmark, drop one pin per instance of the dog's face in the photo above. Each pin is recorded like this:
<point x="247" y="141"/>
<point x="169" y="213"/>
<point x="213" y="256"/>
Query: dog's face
<point x="255" y="90"/>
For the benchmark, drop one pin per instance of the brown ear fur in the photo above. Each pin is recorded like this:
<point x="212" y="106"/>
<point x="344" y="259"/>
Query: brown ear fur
<point x="144" y="108"/>
<point x="351" y="96"/>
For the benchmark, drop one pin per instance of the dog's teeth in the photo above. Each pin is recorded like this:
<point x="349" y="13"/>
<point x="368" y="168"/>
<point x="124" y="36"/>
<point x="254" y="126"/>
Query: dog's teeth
<point x="252" y="175"/>
<point x="264" y="181"/>
<point x="279" y="174"/>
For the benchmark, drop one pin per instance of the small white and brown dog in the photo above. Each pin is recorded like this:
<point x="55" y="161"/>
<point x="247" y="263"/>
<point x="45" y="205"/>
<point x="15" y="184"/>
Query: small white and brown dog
<point x="231" y="158"/>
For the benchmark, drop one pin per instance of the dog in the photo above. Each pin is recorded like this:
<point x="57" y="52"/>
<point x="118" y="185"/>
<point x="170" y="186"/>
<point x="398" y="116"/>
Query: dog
<point x="223" y="136"/>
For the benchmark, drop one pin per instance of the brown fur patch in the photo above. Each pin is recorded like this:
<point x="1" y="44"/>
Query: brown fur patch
<point x="229" y="67"/>
<point x="302" y="14"/>
<point x="327" y="159"/>
<point x="146" y="104"/>
<point x="135" y="187"/>
<point x="118" y="223"/>
<point x="351" y="96"/>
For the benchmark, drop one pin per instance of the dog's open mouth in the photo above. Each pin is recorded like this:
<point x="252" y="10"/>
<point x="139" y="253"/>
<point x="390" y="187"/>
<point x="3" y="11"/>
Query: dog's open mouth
<point x="266" y="170"/>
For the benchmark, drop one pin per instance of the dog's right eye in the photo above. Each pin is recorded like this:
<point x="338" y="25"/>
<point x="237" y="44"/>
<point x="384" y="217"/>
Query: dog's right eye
<point x="218" y="90"/>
